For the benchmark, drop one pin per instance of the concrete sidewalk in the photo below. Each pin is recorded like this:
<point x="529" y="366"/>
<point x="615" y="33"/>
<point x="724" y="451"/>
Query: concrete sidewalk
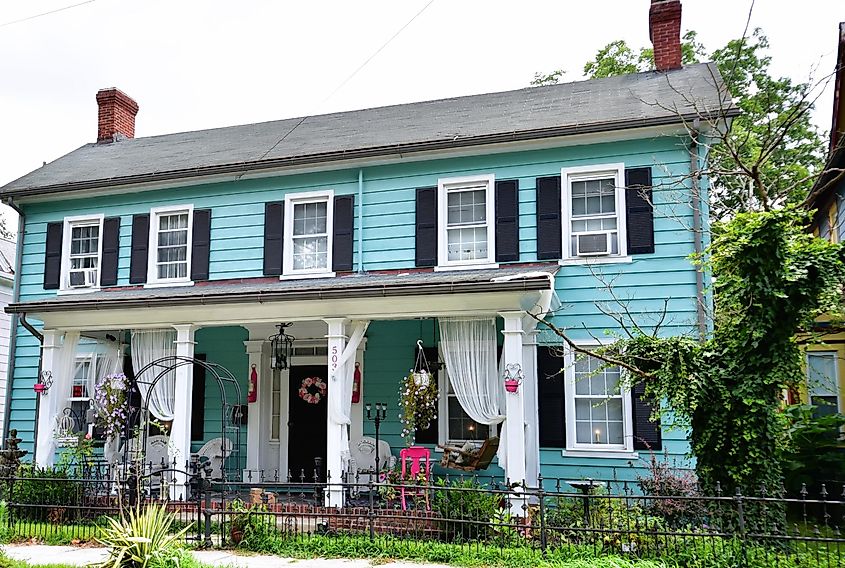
<point x="76" y="556"/>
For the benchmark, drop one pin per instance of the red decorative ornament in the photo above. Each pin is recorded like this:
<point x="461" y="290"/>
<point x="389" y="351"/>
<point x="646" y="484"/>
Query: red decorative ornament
<point x="309" y="383"/>
<point x="252" y="392"/>
<point x="356" y="384"/>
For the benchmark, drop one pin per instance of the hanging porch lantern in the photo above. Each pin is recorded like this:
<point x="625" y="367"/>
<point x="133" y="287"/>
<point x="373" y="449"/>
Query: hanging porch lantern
<point x="281" y="347"/>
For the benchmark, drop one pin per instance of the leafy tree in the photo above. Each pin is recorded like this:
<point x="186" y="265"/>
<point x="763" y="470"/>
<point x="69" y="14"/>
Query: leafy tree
<point x="773" y="153"/>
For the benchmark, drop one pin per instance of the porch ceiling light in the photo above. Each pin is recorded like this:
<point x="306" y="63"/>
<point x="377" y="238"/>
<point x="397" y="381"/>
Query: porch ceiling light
<point x="281" y="346"/>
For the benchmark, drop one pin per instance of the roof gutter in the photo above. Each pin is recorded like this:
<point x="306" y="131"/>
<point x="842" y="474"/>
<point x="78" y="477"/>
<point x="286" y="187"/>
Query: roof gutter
<point x="310" y="159"/>
<point x="223" y="297"/>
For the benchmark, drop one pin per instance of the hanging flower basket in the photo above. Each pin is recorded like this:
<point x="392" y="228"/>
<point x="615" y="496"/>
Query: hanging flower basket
<point x="112" y="403"/>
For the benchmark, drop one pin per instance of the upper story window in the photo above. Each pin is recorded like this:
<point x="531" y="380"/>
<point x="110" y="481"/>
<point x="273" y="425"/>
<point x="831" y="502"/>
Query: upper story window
<point x="466" y="214"/>
<point x="823" y="382"/>
<point x="594" y="211"/>
<point x="82" y="252"/>
<point x="597" y="406"/>
<point x="170" y="244"/>
<point x="308" y="233"/>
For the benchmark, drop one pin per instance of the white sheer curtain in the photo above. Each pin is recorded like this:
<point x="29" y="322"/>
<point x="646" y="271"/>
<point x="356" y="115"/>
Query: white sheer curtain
<point x="148" y="346"/>
<point x="340" y="408"/>
<point x="469" y="351"/>
<point x="56" y="398"/>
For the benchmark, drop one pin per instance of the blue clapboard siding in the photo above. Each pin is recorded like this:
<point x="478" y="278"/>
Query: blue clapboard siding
<point x="387" y="209"/>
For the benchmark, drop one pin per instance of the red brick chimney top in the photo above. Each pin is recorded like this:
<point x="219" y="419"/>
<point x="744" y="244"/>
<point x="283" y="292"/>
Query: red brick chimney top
<point x="664" y="27"/>
<point x="116" y="117"/>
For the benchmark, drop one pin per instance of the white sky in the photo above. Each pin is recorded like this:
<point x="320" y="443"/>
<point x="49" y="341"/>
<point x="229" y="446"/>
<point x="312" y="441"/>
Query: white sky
<point x="194" y="64"/>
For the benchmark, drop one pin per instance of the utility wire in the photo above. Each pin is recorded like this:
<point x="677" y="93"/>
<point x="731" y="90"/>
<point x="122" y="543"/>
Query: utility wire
<point x="349" y="78"/>
<point x="4" y="24"/>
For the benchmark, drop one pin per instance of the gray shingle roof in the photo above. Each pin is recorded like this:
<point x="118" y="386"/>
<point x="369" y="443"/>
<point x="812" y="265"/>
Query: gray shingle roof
<point x="537" y="112"/>
<point x="264" y="290"/>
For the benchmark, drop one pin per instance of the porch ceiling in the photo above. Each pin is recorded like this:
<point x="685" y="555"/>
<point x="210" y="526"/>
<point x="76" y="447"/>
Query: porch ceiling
<point x="368" y="296"/>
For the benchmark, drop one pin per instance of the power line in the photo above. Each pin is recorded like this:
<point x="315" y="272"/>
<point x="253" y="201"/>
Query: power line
<point x="3" y="25"/>
<point x="349" y="78"/>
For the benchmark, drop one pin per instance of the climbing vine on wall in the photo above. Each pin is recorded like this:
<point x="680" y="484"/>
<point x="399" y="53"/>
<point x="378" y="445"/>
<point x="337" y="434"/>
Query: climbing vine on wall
<point x="772" y="279"/>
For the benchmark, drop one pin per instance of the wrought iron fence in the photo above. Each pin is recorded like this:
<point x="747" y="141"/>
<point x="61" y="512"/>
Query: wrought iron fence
<point x="554" y="516"/>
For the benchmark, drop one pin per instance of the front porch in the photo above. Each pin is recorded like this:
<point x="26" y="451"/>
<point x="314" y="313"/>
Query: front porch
<point x="277" y="434"/>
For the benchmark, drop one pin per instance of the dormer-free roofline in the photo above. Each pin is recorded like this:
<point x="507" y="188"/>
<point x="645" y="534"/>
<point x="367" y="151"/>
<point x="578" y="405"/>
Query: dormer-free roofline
<point x="640" y="100"/>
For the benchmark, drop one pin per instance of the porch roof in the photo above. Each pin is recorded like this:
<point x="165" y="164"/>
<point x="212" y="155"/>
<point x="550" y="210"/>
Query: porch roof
<point x="266" y="290"/>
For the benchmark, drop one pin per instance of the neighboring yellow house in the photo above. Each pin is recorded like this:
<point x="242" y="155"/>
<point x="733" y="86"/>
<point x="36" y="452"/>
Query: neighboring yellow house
<point x="826" y="363"/>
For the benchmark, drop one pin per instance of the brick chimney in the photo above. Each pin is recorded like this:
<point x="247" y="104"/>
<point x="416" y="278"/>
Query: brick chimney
<point x="664" y="27"/>
<point x="116" y="117"/>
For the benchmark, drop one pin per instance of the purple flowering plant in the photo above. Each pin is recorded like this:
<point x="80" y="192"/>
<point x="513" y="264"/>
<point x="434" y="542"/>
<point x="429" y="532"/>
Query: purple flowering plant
<point x="113" y="403"/>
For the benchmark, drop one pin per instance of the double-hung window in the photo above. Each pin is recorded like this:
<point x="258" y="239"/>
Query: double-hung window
<point x="594" y="211"/>
<point x="170" y="244"/>
<point x="72" y="419"/>
<point x="466" y="213"/>
<point x="597" y="406"/>
<point x="308" y="233"/>
<point x="82" y="253"/>
<point x="457" y="426"/>
<point x="823" y="382"/>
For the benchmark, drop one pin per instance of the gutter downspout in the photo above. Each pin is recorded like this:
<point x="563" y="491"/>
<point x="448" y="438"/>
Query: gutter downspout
<point x="698" y="241"/>
<point x="360" y="221"/>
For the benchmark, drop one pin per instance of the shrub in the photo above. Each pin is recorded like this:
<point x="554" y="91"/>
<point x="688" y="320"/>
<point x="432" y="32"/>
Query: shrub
<point x="466" y="508"/>
<point x="142" y="539"/>
<point x="51" y="493"/>
<point x="677" y="490"/>
<point x="250" y="526"/>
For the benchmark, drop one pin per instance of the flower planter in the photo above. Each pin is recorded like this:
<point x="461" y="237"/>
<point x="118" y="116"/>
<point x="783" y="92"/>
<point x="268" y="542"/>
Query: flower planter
<point x="511" y="385"/>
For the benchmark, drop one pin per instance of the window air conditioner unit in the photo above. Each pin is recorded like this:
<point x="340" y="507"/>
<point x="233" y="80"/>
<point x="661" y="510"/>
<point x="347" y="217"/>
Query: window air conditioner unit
<point x="84" y="278"/>
<point x="593" y="244"/>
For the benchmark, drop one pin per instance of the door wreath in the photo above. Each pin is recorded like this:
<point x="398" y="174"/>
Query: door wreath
<point x="307" y="393"/>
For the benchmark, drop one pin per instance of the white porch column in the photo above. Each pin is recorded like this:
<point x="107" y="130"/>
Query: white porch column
<point x="532" y="414"/>
<point x="336" y="337"/>
<point x="180" y="432"/>
<point x="254" y="442"/>
<point x="47" y="408"/>
<point x="515" y="402"/>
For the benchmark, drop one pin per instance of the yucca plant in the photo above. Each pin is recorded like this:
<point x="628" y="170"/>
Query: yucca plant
<point x="140" y="539"/>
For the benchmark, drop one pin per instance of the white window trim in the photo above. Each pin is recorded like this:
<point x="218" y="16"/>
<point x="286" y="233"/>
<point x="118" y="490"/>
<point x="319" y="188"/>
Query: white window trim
<point x="581" y="173"/>
<point x="288" y="273"/>
<point x="839" y="397"/>
<point x="573" y="448"/>
<point x="153" y="281"/>
<point x="443" y="185"/>
<point x="69" y="222"/>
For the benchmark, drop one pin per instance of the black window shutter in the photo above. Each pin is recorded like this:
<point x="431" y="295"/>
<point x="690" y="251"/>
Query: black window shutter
<point x="274" y="235"/>
<point x="426" y="222"/>
<point x="344" y="224"/>
<point x="507" y="220"/>
<point x="640" y="210"/>
<point x="201" y="244"/>
<point x="111" y="251"/>
<point x="648" y="435"/>
<point x="431" y="434"/>
<point x="140" y="244"/>
<point x="551" y="398"/>
<point x="53" y="256"/>
<point x="198" y="400"/>
<point x="548" y="218"/>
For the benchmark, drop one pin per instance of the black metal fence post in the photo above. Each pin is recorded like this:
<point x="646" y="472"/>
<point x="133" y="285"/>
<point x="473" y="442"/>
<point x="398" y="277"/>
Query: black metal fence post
<point x="371" y="513"/>
<point x="741" y="523"/>
<point x="542" y="513"/>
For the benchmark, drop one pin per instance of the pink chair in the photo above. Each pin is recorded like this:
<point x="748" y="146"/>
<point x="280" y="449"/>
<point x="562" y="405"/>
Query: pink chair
<point x="416" y="468"/>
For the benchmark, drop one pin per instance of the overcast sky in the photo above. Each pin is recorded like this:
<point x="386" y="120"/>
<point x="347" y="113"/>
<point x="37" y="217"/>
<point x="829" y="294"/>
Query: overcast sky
<point x="207" y="63"/>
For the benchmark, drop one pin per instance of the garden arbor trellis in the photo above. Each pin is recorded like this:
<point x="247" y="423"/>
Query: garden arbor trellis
<point x="145" y="383"/>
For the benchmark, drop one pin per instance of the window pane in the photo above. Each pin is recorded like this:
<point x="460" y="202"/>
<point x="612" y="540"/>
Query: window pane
<point x="599" y="416"/>
<point x="461" y="426"/>
<point x="466" y="207"/>
<point x="593" y="197"/>
<point x="310" y="253"/>
<point x="467" y="244"/>
<point x="310" y="218"/>
<point x="821" y="374"/>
